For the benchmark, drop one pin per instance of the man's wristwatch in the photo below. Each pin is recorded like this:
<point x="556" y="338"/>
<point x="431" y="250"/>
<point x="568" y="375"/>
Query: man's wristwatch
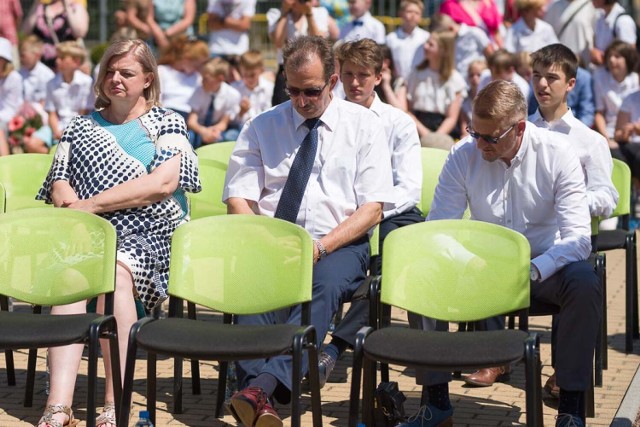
<point x="322" y="252"/>
<point x="534" y="274"/>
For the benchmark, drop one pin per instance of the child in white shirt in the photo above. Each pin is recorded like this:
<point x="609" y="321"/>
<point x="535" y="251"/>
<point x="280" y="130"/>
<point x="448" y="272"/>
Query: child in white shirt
<point x="362" y="24"/>
<point x="529" y="33"/>
<point x="69" y="93"/>
<point x="214" y="108"/>
<point x="34" y="73"/>
<point x="407" y="40"/>
<point x="256" y="91"/>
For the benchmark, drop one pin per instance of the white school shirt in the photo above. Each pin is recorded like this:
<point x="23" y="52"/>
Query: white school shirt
<point x="541" y="195"/>
<point x="626" y="27"/>
<point x="592" y="150"/>
<point x="67" y="99"/>
<point x="320" y="16"/>
<point x="228" y="41"/>
<point x="34" y="82"/>
<point x="404" y="48"/>
<point x="371" y="28"/>
<point x="426" y="93"/>
<point x="521" y="38"/>
<point x="609" y="93"/>
<point x="578" y="33"/>
<point x="406" y="157"/>
<point x="259" y="97"/>
<point x="631" y="105"/>
<point x="10" y="96"/>
<point x="470" y="45"/>
<point x="226" y="101"/>
<point x="347" y="172"/>
<point x="177" y="87"/>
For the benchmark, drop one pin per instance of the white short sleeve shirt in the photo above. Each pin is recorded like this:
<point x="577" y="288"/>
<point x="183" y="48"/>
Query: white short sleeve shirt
<point x="68" y="99"/>
<point x="177" y="87"/>
<point x="365" y="27"/>
<point x="521" y="38"/>
<point x="609" y="93"/>
<point x="228" y="41"/>
<point x="625" y="27"/>
<point x="259" y="98"/>
<point x="631" y="106"/>
<point x="35" y="82"/>
<point x="320" y="16"/>
<point x="427" y="93"/>
<point x="404" y="48"/>
<point x="225" y="101"/>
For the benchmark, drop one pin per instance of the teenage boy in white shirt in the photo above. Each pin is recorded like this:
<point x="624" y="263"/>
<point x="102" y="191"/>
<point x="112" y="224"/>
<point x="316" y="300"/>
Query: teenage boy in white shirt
<point x="362" y="24"/>
<point x="407" y="40"/>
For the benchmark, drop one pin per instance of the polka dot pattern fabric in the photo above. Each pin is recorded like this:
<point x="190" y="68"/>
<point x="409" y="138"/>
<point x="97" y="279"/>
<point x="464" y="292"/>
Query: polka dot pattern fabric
<point x="90" y="158"/>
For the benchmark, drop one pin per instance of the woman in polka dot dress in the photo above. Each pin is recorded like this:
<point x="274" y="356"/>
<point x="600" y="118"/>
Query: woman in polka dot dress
<point x="131" y="163"/>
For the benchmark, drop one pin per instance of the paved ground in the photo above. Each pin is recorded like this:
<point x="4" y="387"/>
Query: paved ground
<point x="501" y="405"/>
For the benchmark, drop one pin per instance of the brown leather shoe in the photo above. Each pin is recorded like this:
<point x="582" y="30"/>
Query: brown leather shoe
<point x="486" y="377"/>
<point x="268" y="417"/>
<point x="551" y="387"/>
<point x="247" y="404"/>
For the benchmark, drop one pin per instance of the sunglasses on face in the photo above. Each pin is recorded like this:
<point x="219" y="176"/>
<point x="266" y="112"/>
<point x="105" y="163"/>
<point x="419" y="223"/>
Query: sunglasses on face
<point x="490" y="139"/>
<point x="309" y="93"/>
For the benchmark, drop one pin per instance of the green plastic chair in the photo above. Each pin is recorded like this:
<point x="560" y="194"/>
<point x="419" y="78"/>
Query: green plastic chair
<point x="22" y="176"/>
<point x="432" y="162"/>
<point x="3" y="198"/>
<point x="220" y="151"/>
<point x="237" y="265"/>
<point x="441" y="269"/>
<point x="624" y="238"/>
<point x="56" y="257"/>
<point x="208" y="202"/>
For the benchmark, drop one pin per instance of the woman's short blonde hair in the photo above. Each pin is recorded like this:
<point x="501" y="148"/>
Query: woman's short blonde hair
<point x="145" y="58"/>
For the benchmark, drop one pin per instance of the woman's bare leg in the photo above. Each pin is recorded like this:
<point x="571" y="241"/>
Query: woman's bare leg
<point x="124" y="308"/>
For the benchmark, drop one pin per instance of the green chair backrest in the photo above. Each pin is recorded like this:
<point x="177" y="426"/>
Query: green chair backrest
<point x="621" y="178"/>
<point x="2" y="198"/>
<point x="220" y="151"/>
<point x="56" y="256"/>
<point x="456" y="270"/>
<point x="22" y="176"/>
<point x="208" y="202"/>
<point x="432" y="162"/>
<point x="241" y="264"/>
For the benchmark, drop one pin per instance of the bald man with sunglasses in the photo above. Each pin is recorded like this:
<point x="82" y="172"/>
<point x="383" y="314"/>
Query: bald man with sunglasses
<point x="348" y="179"/>
<point x="512" y="173"/>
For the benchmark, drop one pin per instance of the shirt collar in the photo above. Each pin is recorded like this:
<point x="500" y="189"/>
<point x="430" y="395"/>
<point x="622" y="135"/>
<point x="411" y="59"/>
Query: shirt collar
<point x="563" y="124"/>
<point x="329" y="118"/>
<point x="376" y="105"/>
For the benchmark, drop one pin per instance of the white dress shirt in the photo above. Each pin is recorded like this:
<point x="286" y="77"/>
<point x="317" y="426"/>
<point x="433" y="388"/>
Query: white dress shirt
<point x="631" y="106"/>
<point x="625" y="27"/>
<point x="10" y="96"/>
<point x="609" y="93"/>
<point x="406" y="157"/>
<point x="470" y="45"/>
<point x="427" y="93"/>
<point x="34" y="82"/>
<point x="593" y="152"/>
<point x="177" y="87"/>
<point x="228" y="41"/>
<point x="404" y="47"/>
<point x="541" y="195"/>
<point x="577" y="17"/>
<point x="226" y="101"/>
<point x="521" y="38"/>
<point x="347" y="172"/>
<point x="371" y="28"/>
<point x="68" y="99"/>
<point x="259" y="98"/>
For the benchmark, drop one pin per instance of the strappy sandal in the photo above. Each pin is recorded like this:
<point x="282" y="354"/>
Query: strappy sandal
<point x="108" y="415"/>
<point x="51" y="410"/>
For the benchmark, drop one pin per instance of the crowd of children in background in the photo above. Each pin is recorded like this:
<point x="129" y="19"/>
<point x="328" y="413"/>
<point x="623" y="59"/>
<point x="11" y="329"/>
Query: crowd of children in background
<point x="219" y="83"/>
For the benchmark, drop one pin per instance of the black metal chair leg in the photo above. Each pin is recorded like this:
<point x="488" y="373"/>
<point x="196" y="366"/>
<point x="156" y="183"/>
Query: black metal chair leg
<point x="31" y="376"/>
<point x="177" y="385"/>
<point x="11" y="372"/>
<point x="629" y="304"/>
<point x="604" y="324"/>
<point x="195" y="364"/>
<point x="222" y="386"/>
<point x="151" y="386"/>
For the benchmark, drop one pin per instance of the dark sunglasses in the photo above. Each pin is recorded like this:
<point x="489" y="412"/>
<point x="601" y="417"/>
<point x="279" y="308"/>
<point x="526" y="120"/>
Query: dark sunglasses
<point x="309" y="93"/>
<point x="491" y="139"/>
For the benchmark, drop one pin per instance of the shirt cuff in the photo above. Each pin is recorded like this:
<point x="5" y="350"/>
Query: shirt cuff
<point x="545" y="265"/>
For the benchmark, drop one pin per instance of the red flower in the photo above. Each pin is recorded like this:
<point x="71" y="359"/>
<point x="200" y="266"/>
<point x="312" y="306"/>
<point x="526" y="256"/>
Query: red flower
<point x="16" y="123"/>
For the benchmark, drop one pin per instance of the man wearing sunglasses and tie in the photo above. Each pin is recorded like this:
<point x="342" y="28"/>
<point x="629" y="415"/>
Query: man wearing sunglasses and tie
<point x="316" y="161"/>
<point x="512" y="173"/>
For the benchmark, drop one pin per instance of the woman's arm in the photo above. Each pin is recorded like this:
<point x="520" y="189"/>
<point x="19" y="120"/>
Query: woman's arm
<point x="61" y="193"/>
<point x="279" y="34"/>
<point x="30" y="21"/>
<point x="142" y="191"/>
<point x="135" y="22"/>
<point x="452" y="116"/>
<point x="624" y="127"/>
<point x="186" y="21"/>
<point x="156" y="32"/>
<point x="77" y="17"/>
